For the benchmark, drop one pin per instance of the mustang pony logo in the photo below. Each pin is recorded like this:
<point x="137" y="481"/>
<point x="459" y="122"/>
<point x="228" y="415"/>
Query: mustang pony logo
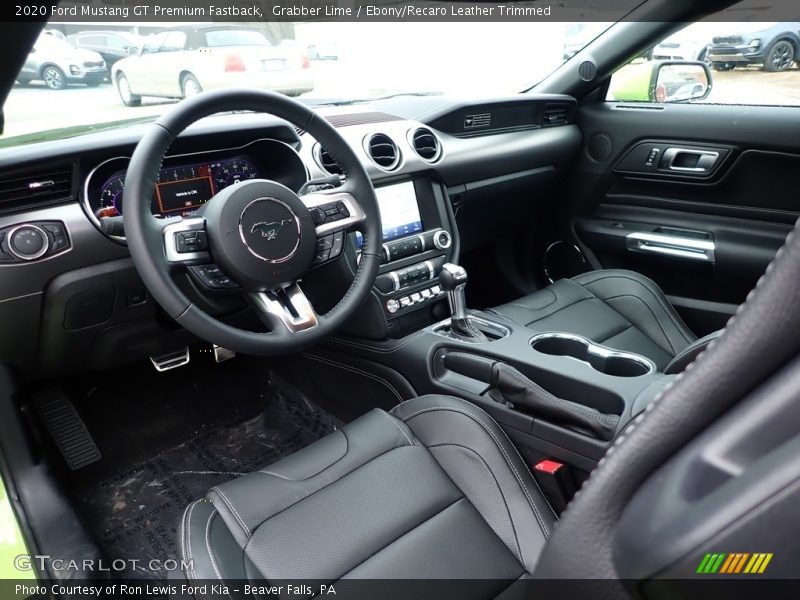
<point x="269" y="230"/>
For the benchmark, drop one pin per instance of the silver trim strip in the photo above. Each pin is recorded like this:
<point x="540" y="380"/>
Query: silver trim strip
<point x="307" y="318"/>
<point x="396" y="279"/>
<point x="671" y="245"/>
<point x="353" y="207"/>
<point x="595" y="349"/>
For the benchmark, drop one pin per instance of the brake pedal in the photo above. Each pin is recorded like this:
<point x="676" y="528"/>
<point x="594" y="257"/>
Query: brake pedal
<point x="67" y="429"/>
<point x="173" y="360"/>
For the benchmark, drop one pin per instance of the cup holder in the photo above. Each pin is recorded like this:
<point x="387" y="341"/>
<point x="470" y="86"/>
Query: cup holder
<point x="602" y="359"/>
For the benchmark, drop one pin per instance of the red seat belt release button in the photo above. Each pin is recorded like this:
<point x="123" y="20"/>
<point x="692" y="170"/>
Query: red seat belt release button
<point x="556" y="482"/>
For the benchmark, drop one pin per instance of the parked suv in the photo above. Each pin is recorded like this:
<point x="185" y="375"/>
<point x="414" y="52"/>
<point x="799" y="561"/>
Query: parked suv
<point x="58" y="63"/>
<point x="775" y="46"/>
<point x="111" y="45"/>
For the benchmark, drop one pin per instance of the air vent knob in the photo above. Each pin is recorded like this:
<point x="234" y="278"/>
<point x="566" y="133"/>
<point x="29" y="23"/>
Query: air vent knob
<point x="28" y="242"/>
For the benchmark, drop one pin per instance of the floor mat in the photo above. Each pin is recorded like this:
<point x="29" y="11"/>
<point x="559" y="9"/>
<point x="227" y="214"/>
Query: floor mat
<point x="135" y="514"/>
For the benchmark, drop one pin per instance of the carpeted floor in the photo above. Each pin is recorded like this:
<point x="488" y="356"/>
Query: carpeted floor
<point x="133" y="501"/>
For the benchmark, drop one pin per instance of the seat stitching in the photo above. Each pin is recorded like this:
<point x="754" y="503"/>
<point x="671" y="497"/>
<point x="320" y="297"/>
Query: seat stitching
<point x="232" y="508"/>
<point x="666" y="337"/>
<point x="264" y="471"/>
<point x="208" y="547"/>
<point x="615" y="334"/>
<point x="510" y="443"/>
<point x="657" y="296"/>
<point x="499" y="488"/>
<point x="329" y="484"/>
<point x="187" y="536"/>
<point x="566" y="306"/>
<point x="585" y="410"/>
<point x="402" y="535"/>
<point x="505" y="454"/>
<point x="378" y="349"/>
<point x="393" y="422"/>
<point x="357" y="371"/>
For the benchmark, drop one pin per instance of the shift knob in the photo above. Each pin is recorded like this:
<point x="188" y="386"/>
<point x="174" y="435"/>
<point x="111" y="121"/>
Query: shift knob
<point x="451" y="277"/>
<point x="453" y="280"/>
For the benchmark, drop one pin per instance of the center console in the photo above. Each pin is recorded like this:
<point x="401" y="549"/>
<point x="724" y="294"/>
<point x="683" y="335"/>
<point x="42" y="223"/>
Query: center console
<point x="418" y="239"/>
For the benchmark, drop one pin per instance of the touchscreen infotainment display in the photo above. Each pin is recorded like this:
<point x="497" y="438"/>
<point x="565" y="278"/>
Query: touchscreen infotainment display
<point x="399" y="210"/>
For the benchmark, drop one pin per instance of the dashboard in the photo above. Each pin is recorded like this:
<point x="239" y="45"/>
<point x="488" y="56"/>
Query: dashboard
<point x="71" y="299"/>
<point x="188" y="181"/>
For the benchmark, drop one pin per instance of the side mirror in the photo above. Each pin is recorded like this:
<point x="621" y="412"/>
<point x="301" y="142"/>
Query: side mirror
<point x="662" y="81"/>
<point x="682" y="82"/>
<point x="132" y="50"/>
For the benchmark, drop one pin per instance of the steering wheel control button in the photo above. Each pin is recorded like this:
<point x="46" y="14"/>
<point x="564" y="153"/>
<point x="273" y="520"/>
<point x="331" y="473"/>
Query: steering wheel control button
<point x="270" y="230"/>
<point x="28" y="242"/>
<point x="213" y="277"/>
<point x="191" y="241"/>
<point x="330" y="212"/>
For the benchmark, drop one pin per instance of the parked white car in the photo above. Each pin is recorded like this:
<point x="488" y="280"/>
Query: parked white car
<point x="183" y="61"/>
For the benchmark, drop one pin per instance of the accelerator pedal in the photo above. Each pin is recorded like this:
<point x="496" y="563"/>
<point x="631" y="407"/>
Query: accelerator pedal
<point x="67" y="429"/>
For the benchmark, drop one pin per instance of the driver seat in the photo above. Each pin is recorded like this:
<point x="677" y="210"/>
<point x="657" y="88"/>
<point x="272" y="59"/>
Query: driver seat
<point x="432" y="490"/>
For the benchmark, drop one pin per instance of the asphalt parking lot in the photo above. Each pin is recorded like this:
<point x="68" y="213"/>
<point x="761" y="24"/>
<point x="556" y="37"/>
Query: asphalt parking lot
<point x="35" y="108"/>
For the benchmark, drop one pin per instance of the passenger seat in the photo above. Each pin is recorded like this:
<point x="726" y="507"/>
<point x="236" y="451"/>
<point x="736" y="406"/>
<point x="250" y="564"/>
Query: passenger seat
<point x="618" y="309"/>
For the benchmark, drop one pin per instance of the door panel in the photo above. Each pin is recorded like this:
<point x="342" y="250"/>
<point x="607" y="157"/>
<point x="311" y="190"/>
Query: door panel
<point x="704" y="231"/>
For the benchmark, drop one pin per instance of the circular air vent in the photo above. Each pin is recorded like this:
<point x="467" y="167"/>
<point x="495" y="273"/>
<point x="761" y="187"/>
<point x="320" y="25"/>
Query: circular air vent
<point x="383" y="151"/>
<point x="326" y="162"/>
<point x="426" y="144"/>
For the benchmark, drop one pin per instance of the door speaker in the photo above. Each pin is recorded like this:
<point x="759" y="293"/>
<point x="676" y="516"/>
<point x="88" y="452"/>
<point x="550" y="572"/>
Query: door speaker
<point x="563" y="260"/>
<point x="600" y="147"/>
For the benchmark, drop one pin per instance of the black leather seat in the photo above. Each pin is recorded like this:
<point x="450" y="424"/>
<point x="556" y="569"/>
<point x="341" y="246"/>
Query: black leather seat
<point x="619" y="309"/>
<point x="432" y="490"/>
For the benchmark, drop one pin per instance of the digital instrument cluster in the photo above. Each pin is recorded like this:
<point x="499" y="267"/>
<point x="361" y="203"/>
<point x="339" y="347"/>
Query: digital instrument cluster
<point x="180" y="190"/>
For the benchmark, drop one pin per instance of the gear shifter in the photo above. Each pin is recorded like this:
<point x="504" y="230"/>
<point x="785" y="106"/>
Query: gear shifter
<point x="453" y="280"/>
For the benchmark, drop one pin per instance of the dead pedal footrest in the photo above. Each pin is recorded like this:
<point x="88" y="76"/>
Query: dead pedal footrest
<point x="67" y="429"/>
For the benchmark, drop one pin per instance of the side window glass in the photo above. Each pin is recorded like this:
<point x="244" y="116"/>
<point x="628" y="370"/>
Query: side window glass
<point x="749" y="62"/>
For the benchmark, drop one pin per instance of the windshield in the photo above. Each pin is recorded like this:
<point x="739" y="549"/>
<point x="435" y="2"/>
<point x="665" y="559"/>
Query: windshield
<point x="317" y="62"/>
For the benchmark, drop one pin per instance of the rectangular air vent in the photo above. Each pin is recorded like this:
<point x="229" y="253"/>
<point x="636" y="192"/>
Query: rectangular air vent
<point x="556" y="114"/>
<point x="35" y="187"/>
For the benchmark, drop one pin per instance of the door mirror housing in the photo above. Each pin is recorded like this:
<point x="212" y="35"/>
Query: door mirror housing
<point x="662" y="82"/>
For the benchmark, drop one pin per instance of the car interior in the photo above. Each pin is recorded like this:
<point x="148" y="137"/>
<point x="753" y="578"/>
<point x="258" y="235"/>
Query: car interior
<point x="537" y="337"/>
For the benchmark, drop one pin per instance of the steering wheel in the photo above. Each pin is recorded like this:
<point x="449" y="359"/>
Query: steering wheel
<point x="259" y="232"/>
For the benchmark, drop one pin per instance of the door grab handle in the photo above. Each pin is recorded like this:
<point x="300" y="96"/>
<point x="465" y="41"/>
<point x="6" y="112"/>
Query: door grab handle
<point x="706" y="159"/>
<point x="671" y="245"/>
